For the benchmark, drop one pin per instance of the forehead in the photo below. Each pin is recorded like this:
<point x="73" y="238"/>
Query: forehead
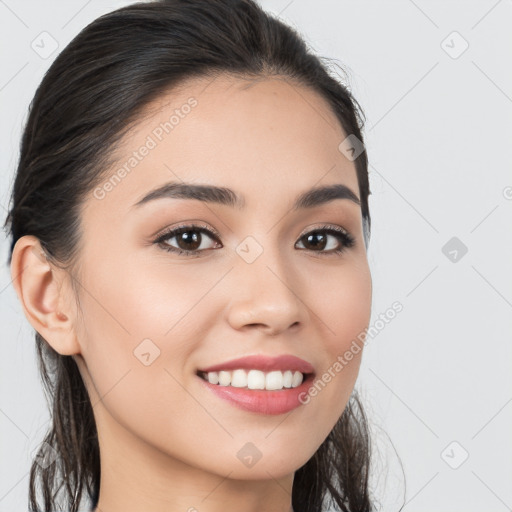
<point x="267" y="138"/>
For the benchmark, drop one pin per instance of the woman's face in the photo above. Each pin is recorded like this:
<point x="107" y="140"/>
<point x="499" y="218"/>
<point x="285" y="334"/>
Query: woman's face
<point x="257" y="285"/>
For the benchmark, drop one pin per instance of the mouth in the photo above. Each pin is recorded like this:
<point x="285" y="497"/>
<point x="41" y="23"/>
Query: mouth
<point x="259" y="372"/>
<point x="263" y="392"/>
<point x="252" y="379"/>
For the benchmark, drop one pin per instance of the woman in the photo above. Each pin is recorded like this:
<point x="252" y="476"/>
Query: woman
<point x="189" y="225"/>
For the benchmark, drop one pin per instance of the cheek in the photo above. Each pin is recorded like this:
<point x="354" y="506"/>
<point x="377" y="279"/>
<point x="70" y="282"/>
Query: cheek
<point x="128" y="300"/>
<point x="342" y="315"/>
<point x="136" y="343"/>
<point x="343" y="305"/>
<point x="138" y="332"/>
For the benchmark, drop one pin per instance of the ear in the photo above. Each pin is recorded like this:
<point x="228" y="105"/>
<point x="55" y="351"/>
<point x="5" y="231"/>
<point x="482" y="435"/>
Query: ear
<point x="45" y="295"/>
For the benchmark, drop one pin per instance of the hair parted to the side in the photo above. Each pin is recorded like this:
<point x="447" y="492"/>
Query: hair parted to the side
<point x="94" y="91"/>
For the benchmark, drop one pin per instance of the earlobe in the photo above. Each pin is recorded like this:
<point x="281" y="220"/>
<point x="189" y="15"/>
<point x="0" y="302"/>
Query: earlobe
<point x="41" y="288"/>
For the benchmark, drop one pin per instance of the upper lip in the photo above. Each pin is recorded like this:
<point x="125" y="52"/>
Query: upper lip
<point x="264" y="363"/>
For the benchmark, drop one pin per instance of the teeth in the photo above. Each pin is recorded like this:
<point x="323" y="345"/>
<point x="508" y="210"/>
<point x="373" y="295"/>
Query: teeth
<point x="224" y="378"/>
<point x="255" y="379"/>
<point x="238" y="379"/>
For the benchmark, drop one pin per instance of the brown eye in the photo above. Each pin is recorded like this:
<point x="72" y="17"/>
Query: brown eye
<point x="318" y="240"/>
<point x="189" y="239"/>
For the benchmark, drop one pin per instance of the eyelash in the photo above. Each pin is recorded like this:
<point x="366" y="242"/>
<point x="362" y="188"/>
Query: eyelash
<point x="346" y="239"/>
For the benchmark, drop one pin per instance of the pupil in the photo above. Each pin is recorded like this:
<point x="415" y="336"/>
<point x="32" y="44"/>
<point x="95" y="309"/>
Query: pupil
<point x="316" y="235"/>
<point x="194" y="239"/>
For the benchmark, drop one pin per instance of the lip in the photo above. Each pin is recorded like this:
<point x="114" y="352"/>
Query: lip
<point x="262" y="401"/>
<point x="264" y="363"/>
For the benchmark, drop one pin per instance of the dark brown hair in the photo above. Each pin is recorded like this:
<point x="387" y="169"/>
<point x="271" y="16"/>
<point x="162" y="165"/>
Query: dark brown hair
<point x="94" y="91"/>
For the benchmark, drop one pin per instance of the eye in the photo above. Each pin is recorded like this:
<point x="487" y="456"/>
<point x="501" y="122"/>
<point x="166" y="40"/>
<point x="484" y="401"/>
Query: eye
<point x="317" y="240"/>
<point x="189" y="239"/>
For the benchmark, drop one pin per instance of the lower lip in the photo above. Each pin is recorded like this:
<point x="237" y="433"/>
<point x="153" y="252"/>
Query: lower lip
<point x="262" y="401"/>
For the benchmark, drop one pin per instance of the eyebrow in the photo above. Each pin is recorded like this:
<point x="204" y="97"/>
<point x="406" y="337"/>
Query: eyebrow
<point x="225" y="196"/>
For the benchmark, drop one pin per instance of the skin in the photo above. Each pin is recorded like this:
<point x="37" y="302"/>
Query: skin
<point x="167" y="443"/>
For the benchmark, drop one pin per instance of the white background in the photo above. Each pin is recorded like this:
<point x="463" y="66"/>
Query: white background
<point x="439" y="141"/>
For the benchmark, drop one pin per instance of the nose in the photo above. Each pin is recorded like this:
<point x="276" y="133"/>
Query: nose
<point x="266" y="296"/>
